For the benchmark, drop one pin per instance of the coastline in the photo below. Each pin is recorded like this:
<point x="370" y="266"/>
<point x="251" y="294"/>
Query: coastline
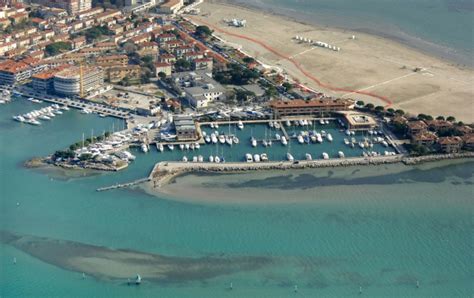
<point x="442" y="52"/>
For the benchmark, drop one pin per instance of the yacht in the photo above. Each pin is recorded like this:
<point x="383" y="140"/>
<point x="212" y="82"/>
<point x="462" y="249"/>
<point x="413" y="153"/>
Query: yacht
<point x="256" y="157"/>
<point x="300" y="139"/>
<point x="326" y="122"/>
<point x="207" y="139"/>
<point x="341" y="154"/>
<point x="200" y="158"/>
<point x="186" y="146"/>
<point x="288" y="123"/>
<point x="19" y="118"/>
<point x="213" y="138"/>
<point x="65" y="108"/>
<point x="313" y="138"/>
<point x="329" y="137"/>
<point x="144" y="148"/>
<point x="240" y="125"/>
<point x="346" y="141"/>
<point x="216" y="125"/>
<point x="271" y="124"/>
<point x="253" y="141"/>
<point x="309" y="157"/>
<point x="195" y="159"/>
<point x="325" y="155"/>
<point x="235" y="140"/>
<point x="217" y="159"/>
<point x="221" y="139"/>
<point x="264" y="143"/>
<point x="197" y="146"/>
<point x="211" y="125"/>
<point x="277" y="136"/>
<point x="319" y="138"/>
<point x="348" y="132"/>
<point x="385" y="143"/>
<point x="57" y="112"/>
<point x="185" y="159"/>
<point x="229" y="140"/>
<point x="44" y="117"/>
<point x="138" y="279"/>
<point x="181" y="146"/>
<point x="33" y="121"/>
<point x="321" y="121"/>
<point x="277" y="125"/>
<point x="160" y="147"/>
<point x="263" y="157"/>
<point x="85" y="111"/>
<point x="171" y="147"/>
<point x="248" y="157"/>
<point x="289" y="157"/>
<point x="284" y="142"/>
<point x="211" y="158"/>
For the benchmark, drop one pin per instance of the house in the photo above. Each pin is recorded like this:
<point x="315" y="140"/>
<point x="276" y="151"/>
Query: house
<point x="163" y="67"/>
<point x="424" y="138"/>
<point x="468" y="141"/>
<point x="415" y="127"/>
<point x="78" y="42"/>
<point x="202" y="64"/>
<point x="185" y="128"/>
<point x="116" y="74"/>
<point x="436" y="125"/>
<point x="167" y="58"/>
<point x="450" y="144"/>
<point x="12" y="72"/>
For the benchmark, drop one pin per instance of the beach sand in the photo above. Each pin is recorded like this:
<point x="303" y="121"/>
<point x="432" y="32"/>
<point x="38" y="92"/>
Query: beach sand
<point x="368" y="63"/>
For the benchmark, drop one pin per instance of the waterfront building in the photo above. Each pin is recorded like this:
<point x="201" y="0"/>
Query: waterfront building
<point x="71" y="6"/>
<point x="185" y="128"/>
<point x="416" y="127"/>
<point x="68" y="82"/>
<point x="283" y="108"/>
<point x="468" y="141"/>
<point x="358" y="121"/>
<point x="424" y="138"/>
<point x="12" y="72"/>
<point x="450" y="144"/>
<point x="43" y="82"/>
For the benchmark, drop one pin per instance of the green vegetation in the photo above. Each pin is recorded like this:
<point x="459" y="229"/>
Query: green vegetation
<point x="360" y="103"/>
<point x="57" y="48"/>
<point x="369" y="106"/>
<point x="203" y="31"/>
<point x="418" y="150"/>
<point x="96" y="32"/>
<point x="236" y="75"/>
<point x="248" y="60"/>
<point x="244" y="95"/>
<point x="451" y="119"/>
<point x="288" y="86"/>
<point x="424" y="117"/>
<point x="182" y="65"/>
<point x="64" y="154"/>
<point x="162" y="75"/>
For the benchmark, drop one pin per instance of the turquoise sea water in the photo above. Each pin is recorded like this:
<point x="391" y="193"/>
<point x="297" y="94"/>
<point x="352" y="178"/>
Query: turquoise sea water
<point x="441" y="27"/>
<point x="332" y="230"/>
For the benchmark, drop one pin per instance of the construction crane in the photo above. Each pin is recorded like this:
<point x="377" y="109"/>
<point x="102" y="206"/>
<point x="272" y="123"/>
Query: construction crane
<point x="81" y="80"/>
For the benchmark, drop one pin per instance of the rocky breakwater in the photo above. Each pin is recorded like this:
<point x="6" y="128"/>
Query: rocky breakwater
<point x="163" y="172"/>
<point x="436" y="157"/>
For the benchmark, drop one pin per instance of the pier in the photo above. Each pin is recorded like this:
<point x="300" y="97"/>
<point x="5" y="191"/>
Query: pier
<point x="123" y="185"/>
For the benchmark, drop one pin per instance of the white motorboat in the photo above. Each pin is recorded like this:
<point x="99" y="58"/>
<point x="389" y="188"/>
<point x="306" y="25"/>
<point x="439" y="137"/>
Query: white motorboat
<point x="160" y="147"/>
<point x="300" y="139"/>
<point x="263" y="157"/>
<point x="319" y="138"/>
<point x="271" y="124"/>
<point x="211" y="125"/>
<point x="211" y="158"/>
<point x="277" y="125"/>
<point x="65" y="108"/>
<point x="248" y="157"/>
<point x="33" y="121"/>
<point x="284" y="142"/>
<point x="289" y="157"/>
<point x="221" y="139"/>
<point x="229" y="140"/>
<point x="278" y="137"/>
<point x="171" y="147"/>
<point x="385" y="143"/>
<point x="57" y="112"/>
<point x="325" y="155"/>
<point x="200" y="158"/>
<point x="19" y="118"/>
<point x="186" y="146"/>
<point x="329" y="137"/>
<point x="195" y="159"/>
<point x="264" y="143"/>
<point x="144" y="148"/>
<point x="346" y="141"/>
<point x="216" y="125"/>
<point x="253" y="141"/>
<point x="185" y="159"/>
<point x="213" y="138"/>
<point x="240" y="125"/>
<point x="308" y="156"/>
<point x="217" y="159"/>
<point x="44" y="117"/>
<point x="256" y="157"/>
<point x="341" y="154"/>
<point x="207" y="139"/>
<point x="197" y="146"/>
<point x="321" y="121"/>
<point x="235" y="140"/>
<point x="288" y="123"/>
<point x="181" y="146"/>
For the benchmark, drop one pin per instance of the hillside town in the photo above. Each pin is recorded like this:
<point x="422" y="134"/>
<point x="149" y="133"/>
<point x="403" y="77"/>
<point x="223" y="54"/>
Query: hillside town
<point x="171" y="80"/>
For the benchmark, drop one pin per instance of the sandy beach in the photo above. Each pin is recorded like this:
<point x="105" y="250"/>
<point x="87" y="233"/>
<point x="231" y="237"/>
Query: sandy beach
<point x="372" y="64"/>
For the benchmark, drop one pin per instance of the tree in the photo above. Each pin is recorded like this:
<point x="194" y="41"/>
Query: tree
<point x="287" y="86"/>
<point x="390" y="111"/>
<point x="243" y="95"/>
<point x="379" y="109"/>
<point x="85" y="156"/>
<point x="248" y="60"/>
<point x="162" y="75"/>
<point x="203" y="31"/>
<point x="56" y="48"/>
<point x="418" y="150"/>
<point x="182" y="65"/>
<point x="451" y="119"/>
<point x="440" y="118"/>
<point x="271" y="91"/>
<point x="399" y="112"/>
<point x="360" y="103"/>
<point x="369" y="106"/>
<point x="129" y="47"/>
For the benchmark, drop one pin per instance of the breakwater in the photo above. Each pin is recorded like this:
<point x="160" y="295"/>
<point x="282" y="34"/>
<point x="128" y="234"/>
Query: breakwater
<point x="163" y="172"/>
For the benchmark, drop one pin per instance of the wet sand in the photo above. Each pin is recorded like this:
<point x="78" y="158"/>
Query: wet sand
<point x="369" y="63"/>
<point x="107" y="263"/>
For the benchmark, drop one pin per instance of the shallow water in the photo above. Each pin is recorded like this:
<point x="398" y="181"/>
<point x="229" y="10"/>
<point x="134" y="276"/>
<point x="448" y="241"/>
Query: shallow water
<point x="329" y="231"/>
